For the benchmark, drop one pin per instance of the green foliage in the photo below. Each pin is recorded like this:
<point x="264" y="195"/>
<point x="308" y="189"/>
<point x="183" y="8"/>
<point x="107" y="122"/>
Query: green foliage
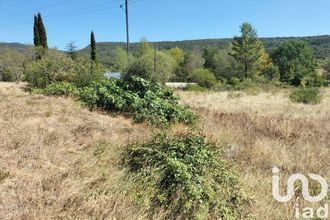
<point x="185" y="175"/>
<point x="196" y="88"/>
<point x="247" y="51"/>
<point x="144" y="48"/>
<point x="225" y="65"/>
<point x="56" y="67"/>
<point x="320" y="45"/>
<point x="94" y="56"/>
<point x="146" y="101"/>
<point x="72" y="50"/>
<point x="327" y="69"/>
<point x="40" y="36"/>
<point x="3" y="175"/>
<point x="295" y="61"/>
<point x="36" y="37"/>
<point x="204" y="78"/>
<point x="7" y="75"/>
<point x="141" y="67"/>
<point x="58" y="89"/>
<point x="272" y="73"/>
<point x="209" y="55"/>
<point x="11" y="65"/>
<point x="120" y="60"/>
<point x="306" y="95"/>
<point x="192" y="60"/>
<point x="144" y="66"/>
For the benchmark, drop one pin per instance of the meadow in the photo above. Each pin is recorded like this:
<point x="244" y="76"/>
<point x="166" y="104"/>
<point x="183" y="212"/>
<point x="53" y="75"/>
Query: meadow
<point x="60" y="160"/>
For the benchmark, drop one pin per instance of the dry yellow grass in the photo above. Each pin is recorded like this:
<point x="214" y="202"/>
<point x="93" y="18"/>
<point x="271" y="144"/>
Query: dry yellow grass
<point x="263" y="131"/>
<point x="62" y="159"/>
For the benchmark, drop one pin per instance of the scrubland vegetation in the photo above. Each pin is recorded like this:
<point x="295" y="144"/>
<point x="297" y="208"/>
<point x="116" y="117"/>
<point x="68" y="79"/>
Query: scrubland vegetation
<point x="60" y="160"/>
<point x="78" y="146"/>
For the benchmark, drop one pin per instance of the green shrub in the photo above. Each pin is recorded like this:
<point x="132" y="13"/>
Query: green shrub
<point x="306" y="95"/>
<point x="204" y="78"/>
<point x="249" y="87"/>
<point x="147" y="101"/>
<point x="196" y="88"/>
<point x="57" y="68"/>
<point x="185" y="175"/>
<point x="58" y="89"/>
<point x="7" y="75"/>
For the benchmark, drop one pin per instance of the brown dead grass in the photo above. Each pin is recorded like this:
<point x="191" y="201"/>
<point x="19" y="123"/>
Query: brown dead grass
<point x="63" y="160"/>
<point x="263" y="131"/>
<point x="58" y="160"/>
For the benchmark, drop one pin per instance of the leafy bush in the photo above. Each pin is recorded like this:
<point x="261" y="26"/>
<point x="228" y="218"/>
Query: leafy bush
<point x="58" y="89"/>
<point x="7" y="75"/>
<point x="145" y="100"/>
<point x="306" y="95"/>
<point x="196" y="88"/>
<point x="185" y="175"/>
<point x="204" y="78"/>
<point x="55" y="68"/>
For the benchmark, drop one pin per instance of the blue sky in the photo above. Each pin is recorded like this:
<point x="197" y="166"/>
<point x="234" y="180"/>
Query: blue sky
<point x="159" y="20"/>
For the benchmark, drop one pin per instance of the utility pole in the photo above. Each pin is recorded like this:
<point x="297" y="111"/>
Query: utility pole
<point x="127" y="30"/>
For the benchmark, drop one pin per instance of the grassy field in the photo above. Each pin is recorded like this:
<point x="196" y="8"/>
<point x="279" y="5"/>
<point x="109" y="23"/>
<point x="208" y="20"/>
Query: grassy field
<point x="267" y="130"/>
<point x="58" y="160"/>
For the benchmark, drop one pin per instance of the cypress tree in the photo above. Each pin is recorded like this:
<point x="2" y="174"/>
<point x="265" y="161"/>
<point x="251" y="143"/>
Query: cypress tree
<point x="93" y="48"/>
<point x="36" y="37"/>
<point x="42" y="32"/>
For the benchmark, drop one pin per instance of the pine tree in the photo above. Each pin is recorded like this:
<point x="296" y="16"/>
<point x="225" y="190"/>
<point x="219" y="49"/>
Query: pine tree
<point x="72" y="50"/>
<point x="93" y="48"/>
<point x="246" y="50"/>
<point x="42" y="32"/>
<point x="36" y="37"/>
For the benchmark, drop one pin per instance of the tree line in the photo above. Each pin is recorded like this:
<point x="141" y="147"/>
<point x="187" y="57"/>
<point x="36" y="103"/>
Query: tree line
<point x="243" y="62"/>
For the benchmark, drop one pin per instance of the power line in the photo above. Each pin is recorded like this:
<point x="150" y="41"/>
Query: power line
<point x="97" y="6"/>
<point x="89" y="10"/>
<point x="42" y="8"/>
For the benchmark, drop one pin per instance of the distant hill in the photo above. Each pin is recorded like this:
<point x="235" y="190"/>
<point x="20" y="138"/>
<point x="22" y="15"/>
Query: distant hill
<point x="15" y="46"/>
<point x="320" y="45"/>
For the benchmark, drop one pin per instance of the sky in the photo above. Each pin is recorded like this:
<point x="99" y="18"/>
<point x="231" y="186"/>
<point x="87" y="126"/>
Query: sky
<point x="160" y="20"/>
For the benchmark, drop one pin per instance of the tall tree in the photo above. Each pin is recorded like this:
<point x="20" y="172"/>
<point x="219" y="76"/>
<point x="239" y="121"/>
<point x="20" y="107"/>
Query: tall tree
<point x="36" y="37"/>
<point x="295" y="60"/>
<point x="246" y="50"/>
<point x="209" y="55"/>
<point x="93" y="48"/>
<point x="72" y="50"/>
<point x="42" y="32"/>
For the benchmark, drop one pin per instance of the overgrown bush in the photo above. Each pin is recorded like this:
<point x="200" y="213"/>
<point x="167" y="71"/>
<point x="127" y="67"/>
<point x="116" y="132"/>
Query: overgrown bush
<point x="185" y="175"/>
<point x="147" y="101"/>
<point x="306" y="95"/>
<point x="204" y="78"/>
<point x="58" y="89"/>
<point x="196" y="88"/>
<point x="7" y="75"/>
<point x="56" y="68"/>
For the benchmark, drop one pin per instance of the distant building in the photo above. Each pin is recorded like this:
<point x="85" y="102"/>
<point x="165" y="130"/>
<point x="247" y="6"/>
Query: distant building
<point x="112" y="75"/>
<point x="179" y="85"/>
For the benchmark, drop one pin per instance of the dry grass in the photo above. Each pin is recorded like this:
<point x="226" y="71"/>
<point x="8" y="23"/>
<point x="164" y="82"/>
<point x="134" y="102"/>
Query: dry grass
<point x="266" y="130"/>
<point x="58" y="160"/>
<point x="63" y="160"/>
